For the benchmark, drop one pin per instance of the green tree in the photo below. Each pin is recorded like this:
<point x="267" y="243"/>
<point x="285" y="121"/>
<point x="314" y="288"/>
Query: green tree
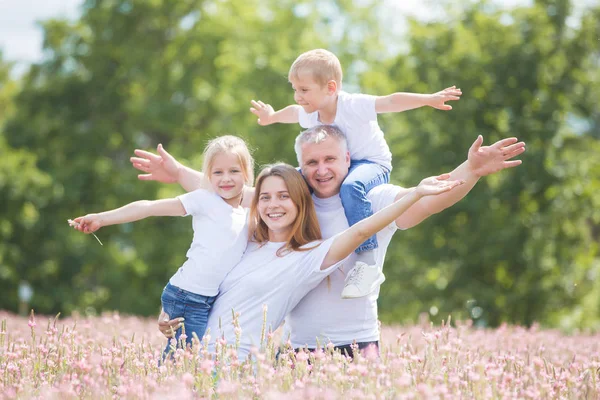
<point x="522" y="247"/>
<point x="134" y="74"/>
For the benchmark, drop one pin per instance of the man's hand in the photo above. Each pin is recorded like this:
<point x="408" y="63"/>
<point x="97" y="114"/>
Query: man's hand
<point x="162" y="167"/>
<point x="486" y="160"/>
<point x="168" y="326"/>
<point x="263" y="111"/>
<point x="436" y="185"/>
<point x="438" y="100"/>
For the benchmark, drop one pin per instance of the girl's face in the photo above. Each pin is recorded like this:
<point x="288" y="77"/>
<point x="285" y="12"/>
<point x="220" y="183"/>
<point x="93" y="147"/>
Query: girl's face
<point x="276" y="208"/>
<point x="227" y="178"/>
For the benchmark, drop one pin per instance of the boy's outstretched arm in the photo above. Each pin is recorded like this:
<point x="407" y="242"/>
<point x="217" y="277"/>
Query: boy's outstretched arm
<point x="398" y="102"/>
<point x="267" y="116"/>
<point x="130" y="213"/>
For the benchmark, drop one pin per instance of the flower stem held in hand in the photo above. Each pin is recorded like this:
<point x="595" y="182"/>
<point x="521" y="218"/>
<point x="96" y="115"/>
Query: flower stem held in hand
<point x="73" y="223"/>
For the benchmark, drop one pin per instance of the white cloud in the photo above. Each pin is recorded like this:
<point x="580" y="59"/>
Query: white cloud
<point x="20" y="35"/>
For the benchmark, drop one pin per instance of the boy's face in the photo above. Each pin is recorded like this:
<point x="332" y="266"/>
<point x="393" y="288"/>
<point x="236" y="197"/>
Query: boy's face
<point x="310" y="94"/>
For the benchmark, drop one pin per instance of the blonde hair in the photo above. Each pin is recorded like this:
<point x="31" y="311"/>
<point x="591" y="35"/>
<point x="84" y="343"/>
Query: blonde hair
<point x="322" y="65"/>
<point x="305" y="228"/>
<point x="233" y="145"/>
<point x="316" y="135"/>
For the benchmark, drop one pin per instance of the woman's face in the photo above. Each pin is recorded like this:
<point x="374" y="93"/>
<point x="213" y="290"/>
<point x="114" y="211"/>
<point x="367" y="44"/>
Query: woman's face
<point x="276" y="208"/>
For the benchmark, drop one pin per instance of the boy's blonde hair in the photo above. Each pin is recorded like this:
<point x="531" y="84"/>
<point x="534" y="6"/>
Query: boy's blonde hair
<point x="229" y="144"/>
<point x="323" y="66"/>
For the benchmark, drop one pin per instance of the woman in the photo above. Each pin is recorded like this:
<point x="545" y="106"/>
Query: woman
<point x="286" y="258"/>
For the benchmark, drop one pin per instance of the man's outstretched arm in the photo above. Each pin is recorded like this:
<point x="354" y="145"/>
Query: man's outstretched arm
<point x="481" y="161"/>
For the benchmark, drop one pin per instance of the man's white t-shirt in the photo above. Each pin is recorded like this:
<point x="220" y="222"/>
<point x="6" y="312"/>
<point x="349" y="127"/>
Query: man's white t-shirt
<point x="264" y="279"/>
<point x="322" y="313"/>
<point x="357" y="118"/>
<point x="220" y="238"/>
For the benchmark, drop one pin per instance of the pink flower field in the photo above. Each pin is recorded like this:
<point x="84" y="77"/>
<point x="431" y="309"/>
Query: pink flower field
<point x="114" y="356"/>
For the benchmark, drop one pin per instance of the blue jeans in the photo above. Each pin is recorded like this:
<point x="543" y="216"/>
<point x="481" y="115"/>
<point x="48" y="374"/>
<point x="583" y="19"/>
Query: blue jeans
<point x="362" y="176"/>
<point x="193" y="307"/>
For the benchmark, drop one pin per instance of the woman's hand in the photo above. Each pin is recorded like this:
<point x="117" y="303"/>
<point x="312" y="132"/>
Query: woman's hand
<point x="436" y="185"/>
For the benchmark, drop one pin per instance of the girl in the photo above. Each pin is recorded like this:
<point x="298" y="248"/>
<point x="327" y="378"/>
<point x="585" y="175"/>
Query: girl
<point x="220" y="231"/>
<point x="285" y="258"/>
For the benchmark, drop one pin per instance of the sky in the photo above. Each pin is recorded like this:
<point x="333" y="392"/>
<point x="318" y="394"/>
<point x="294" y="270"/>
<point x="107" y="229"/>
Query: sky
<point x="21" y="37"/>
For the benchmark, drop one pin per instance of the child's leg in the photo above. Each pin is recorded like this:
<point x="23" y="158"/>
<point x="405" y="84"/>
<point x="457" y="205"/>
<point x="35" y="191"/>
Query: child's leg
<point x="362" y="177"/>
<point x="194" y="308"/>
<point x="366" y="275"/>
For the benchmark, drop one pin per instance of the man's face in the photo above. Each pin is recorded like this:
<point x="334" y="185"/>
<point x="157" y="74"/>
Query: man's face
<point x="325" y="166"/>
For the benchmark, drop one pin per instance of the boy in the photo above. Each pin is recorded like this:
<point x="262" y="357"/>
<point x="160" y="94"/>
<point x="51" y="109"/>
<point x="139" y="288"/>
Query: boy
<point x="316" y="77"/>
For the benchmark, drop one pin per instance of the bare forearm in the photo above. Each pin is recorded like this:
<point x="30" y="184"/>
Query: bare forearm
<point x="430" y="205"/>
<point x="129" y="213"/>
<point x="352" y="237"/>
<point x="287" y="115"/>
<point x="190" y="179"/>
<point x="435" y="204"/>
<point x="401" y="101"/>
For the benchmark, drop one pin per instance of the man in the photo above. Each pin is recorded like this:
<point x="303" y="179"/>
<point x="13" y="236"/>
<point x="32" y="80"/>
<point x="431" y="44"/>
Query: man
<point x="323" y="316"/>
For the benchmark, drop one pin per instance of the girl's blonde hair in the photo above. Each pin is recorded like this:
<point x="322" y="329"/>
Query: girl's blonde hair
<point x="305" y="228"/>
<point x="233" y="145"/>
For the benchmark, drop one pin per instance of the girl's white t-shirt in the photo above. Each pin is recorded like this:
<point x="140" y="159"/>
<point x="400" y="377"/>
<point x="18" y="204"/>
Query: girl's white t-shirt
<point x="220" y="238"/>
<point x="263" y="279"/>
<point x="357" y="118"/>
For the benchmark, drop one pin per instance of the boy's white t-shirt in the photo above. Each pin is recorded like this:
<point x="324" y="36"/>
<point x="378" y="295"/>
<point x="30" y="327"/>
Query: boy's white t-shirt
<point x="263" y="279"/>
<point x="322" y="313"/>
<point x="220" y="238"/>
<point x="357" y="118"/>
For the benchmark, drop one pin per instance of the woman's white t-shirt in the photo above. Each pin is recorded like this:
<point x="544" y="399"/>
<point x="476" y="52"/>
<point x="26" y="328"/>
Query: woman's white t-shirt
<point x="263" y="279"/>
<point x="220" y="238"/>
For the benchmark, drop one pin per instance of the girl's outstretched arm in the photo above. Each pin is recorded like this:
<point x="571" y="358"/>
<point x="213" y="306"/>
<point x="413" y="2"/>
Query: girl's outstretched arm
<point x="129" y="213"/>
<point x="346" y="242"/>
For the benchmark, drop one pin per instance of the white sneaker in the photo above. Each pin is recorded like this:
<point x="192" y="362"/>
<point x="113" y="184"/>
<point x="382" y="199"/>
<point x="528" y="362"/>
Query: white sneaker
<point x="362" y="280"/>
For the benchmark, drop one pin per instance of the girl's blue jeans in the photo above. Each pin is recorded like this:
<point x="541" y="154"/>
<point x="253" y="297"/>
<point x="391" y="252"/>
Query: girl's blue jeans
<point x="362" y="176"/>
<point x="194" y="308"/>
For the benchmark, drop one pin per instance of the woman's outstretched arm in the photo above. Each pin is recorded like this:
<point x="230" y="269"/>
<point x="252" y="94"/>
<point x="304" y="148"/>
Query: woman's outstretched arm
<point x="346" y="242"/>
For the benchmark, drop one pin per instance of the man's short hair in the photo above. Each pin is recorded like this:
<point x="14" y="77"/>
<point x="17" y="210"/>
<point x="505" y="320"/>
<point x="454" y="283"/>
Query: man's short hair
<point x="321" y="64"/>
<point x="317" y="134"/>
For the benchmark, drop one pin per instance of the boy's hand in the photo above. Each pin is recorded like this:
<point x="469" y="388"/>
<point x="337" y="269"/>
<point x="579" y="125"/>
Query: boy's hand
<point x="263" y="111"/>
<point x="162" y="167"/>
<point x="87" y="224"/>
<point x="436" y="185"/>
<point x="438" y="100"/>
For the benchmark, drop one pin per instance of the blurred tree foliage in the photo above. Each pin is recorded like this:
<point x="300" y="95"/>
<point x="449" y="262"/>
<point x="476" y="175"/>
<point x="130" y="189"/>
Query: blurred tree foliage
<point x="522" y="246"/>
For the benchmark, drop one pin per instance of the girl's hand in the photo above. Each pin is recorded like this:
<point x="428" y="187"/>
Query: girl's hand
<point x="87" y="224"/>
<point x="168" y="326"/>
<point x="436" y="185"/>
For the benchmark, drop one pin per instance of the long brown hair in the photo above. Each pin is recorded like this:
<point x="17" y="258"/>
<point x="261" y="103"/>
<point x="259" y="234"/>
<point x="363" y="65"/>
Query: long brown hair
<point x="305" y="228"/>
